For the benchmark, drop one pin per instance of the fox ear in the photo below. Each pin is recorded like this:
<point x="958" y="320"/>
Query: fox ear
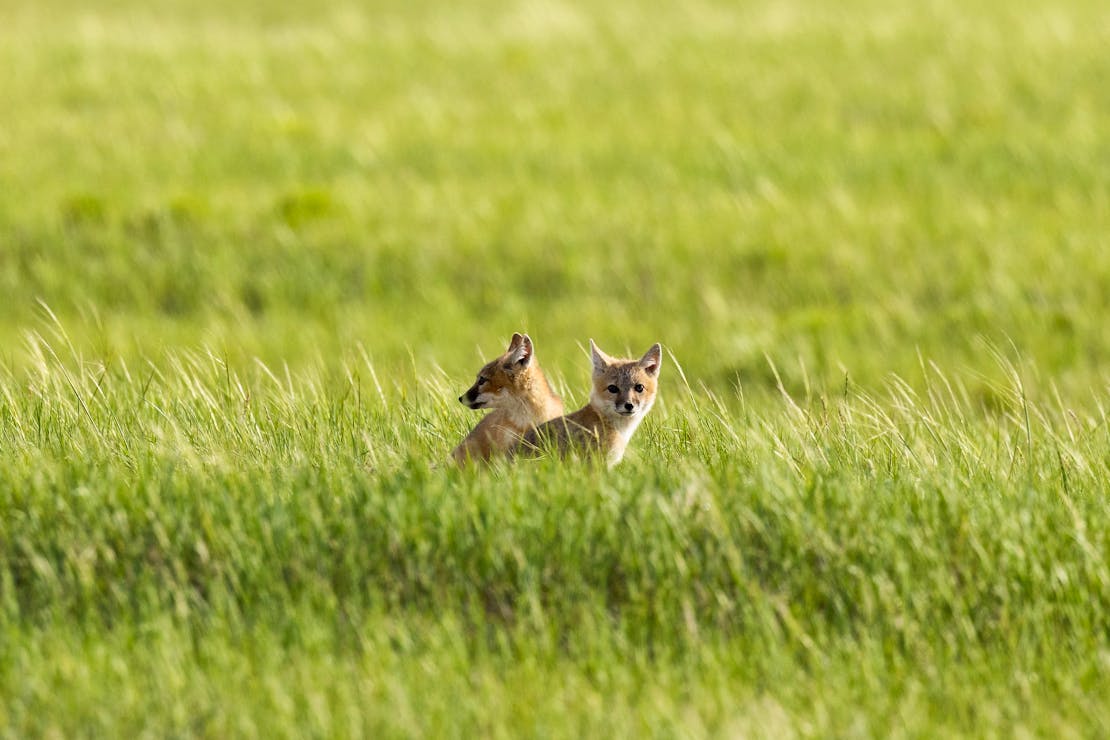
<point x="599" y="358"/>
<point x="515" y="341"/>
<point x="652" y="359"/>
<point x="521" y="352"/>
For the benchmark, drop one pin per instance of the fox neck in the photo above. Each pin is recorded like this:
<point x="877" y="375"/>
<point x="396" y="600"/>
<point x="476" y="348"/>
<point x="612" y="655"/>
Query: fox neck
<point x="536" y="386"/>
<point x="533" y="402"/>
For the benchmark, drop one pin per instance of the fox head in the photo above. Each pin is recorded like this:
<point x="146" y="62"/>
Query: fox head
<point x="625" y="389"/>
<point x="501" y="381"/>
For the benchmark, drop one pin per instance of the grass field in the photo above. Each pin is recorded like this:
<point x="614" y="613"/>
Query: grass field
<point x="252" y="251"/>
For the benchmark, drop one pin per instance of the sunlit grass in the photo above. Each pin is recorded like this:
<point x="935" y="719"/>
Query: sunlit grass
<point x="738" y="561"/>
<point x="252" y="252"/>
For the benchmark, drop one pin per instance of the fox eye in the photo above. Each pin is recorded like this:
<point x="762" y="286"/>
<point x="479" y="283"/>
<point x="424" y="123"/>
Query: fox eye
<point x="482" y="381"/>
<point x="639" y="387"/>
<point x="613" y="389"/>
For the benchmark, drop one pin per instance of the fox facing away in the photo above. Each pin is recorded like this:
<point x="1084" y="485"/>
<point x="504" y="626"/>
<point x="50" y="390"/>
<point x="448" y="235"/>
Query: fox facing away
<point x="520" y="397"/>
<point x="622" y="395"/>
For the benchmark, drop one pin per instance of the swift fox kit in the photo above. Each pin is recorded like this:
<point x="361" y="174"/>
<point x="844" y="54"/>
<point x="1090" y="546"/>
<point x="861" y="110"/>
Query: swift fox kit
<point x="623" y="392"/>
<point x="516" y="389"/>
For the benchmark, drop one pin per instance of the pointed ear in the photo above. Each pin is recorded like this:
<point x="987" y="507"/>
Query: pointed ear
<point x="652" y="359"/>
<point x="599" y="358"/>
<point x="523" y="353"/>
<point x="515" y="341"/>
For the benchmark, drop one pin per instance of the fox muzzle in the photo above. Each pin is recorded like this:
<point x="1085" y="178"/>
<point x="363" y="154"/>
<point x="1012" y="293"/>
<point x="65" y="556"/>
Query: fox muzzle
<point x="470" y="398"/>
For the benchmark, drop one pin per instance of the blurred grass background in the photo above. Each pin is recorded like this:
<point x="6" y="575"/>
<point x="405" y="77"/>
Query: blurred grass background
<point x="835" y="188"/>
<point x="251" y="251"/>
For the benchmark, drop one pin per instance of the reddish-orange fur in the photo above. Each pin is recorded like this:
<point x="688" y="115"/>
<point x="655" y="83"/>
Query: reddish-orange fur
<point x="606" y="424"/>
<point x="517" y="391"/>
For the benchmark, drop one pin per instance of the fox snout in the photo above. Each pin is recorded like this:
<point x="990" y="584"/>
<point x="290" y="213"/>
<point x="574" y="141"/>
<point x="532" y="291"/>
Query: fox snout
<point x="470" y="398"/>
<point x="626" y="408"/>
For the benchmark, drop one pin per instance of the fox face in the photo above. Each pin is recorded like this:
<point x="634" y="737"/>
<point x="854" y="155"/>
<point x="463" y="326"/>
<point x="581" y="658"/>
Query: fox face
<point x="624" y="390"/>
<point x="499" y="383"/>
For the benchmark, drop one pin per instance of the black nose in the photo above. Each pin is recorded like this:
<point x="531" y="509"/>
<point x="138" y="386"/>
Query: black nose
<point x="628" y="407"/>
<point x="461" y="398"/>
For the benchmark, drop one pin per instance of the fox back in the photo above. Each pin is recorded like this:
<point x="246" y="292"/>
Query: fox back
<point x="516" y="390"/>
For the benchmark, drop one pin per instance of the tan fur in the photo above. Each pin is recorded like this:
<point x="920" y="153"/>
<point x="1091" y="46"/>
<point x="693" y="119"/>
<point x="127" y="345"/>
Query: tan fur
<point x="517" y="391"/>
<point x="606" y="424"/>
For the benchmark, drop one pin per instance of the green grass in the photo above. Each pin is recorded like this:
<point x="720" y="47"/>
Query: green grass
<point x="252" y="252"/>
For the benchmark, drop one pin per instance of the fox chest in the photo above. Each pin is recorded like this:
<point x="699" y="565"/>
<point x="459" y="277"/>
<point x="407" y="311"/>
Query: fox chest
<point x="614" y="453"/>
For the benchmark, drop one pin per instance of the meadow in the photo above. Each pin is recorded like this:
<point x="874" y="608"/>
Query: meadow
<point x="251" y="253"/>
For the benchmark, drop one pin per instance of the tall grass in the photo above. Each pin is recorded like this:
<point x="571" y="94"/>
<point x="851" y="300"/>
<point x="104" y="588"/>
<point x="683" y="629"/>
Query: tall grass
<point x="251" y="252"/>
<point x="236" y="549"/>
